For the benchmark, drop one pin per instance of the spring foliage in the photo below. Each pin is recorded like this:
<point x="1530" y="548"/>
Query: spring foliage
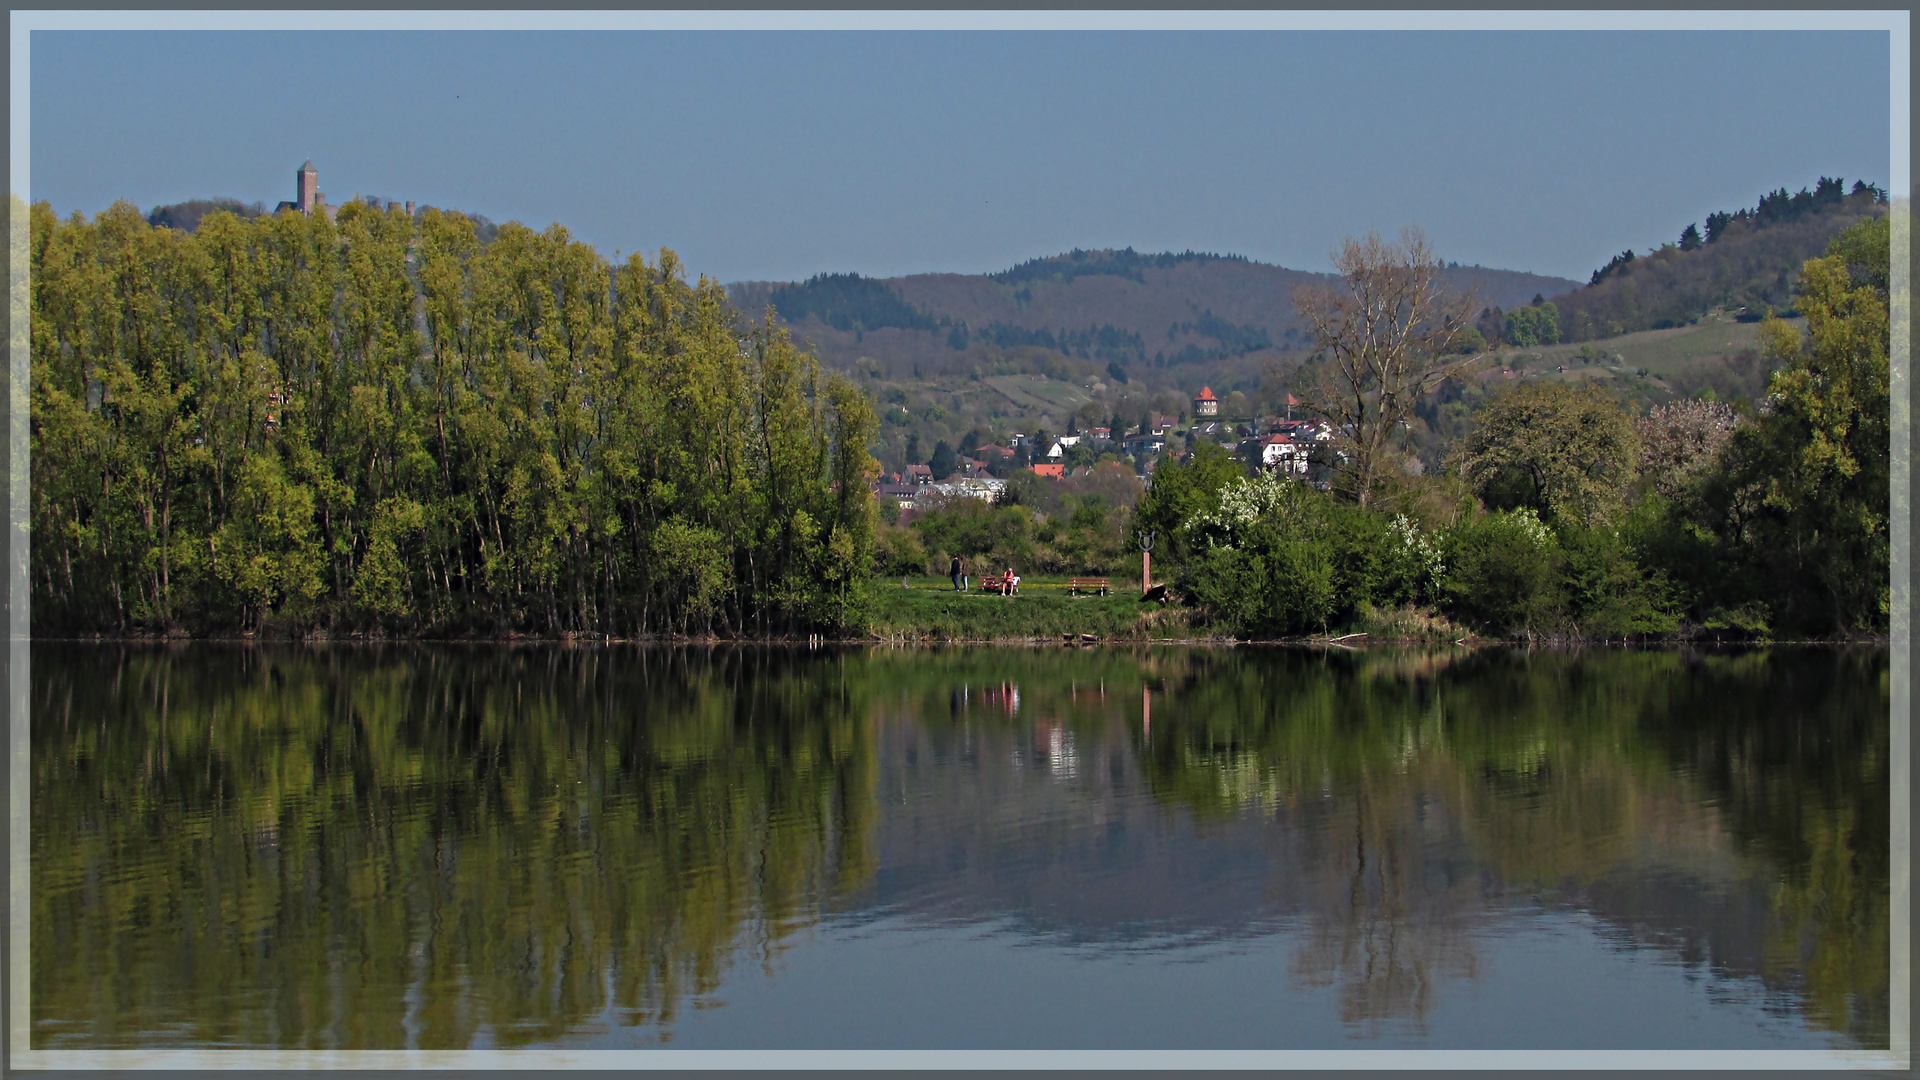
<point x="378" y="423"/>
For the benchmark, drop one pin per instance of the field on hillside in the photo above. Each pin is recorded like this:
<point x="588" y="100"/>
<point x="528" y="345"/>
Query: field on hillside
<point x="1036" y="395"/>
<point x="1717" y="354"/>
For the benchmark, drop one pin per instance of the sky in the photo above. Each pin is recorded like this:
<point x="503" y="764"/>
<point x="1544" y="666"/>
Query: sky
<point x="764" y="155"/>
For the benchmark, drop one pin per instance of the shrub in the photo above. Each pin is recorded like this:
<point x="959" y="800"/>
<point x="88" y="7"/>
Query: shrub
<point x="1503" y="572"/>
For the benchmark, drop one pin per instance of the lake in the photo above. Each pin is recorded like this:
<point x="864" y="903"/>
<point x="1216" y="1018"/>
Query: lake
<point x="481" y="847"/>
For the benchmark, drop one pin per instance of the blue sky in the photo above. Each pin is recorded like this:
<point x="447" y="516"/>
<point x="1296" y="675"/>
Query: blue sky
<point x="776" y="155"/>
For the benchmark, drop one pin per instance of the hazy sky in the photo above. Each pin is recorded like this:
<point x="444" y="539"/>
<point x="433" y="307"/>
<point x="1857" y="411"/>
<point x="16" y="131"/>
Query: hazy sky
<point x="778" y="155"/>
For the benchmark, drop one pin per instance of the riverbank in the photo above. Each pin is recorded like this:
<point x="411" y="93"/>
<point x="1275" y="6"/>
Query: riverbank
<point x="930" y="612"/>
<point x="935" y="612"/>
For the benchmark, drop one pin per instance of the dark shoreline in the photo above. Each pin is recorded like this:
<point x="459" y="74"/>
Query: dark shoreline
<point x="1351" y="641"/>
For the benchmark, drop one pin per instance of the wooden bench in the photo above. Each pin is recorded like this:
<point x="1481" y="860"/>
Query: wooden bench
<point x="995" y="583"/>
<point x="1074" y="585"/>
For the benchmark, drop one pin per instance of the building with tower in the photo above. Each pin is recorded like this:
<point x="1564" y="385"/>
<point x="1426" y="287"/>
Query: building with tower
<point x="1206" y="404"/>
<point x="307" y="197"/>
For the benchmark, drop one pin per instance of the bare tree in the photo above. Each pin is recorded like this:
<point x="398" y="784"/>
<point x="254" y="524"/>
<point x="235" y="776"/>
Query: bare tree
<point x="1384" y="335"/>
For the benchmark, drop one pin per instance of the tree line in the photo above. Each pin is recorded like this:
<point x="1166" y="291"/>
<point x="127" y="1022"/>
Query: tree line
<point x="379" y="423"/>
<point x="1561" y="512"/>
<point x="1746" y="259"/>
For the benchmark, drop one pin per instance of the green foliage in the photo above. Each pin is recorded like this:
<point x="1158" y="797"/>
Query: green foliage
<point x="944" y="461"/>
<point x="1565" y="451"/>
<point x="1800" y="505"/>
<point x="1279" y="558"/>
<point x="1182" y="490"/>
<point x="375" y="422"/>
<point x="1535" y="325"/>
<point x="1503" y="572"/>
<point x="186" y="216"/>
<point x="991" y="537"/>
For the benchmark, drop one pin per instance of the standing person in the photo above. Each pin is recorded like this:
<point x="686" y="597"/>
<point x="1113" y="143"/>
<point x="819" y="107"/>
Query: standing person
<point x="954" y="573"/>
<point x="966" y="579"/>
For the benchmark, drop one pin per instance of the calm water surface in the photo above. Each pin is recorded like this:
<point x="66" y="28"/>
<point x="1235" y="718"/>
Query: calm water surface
<point x="985" y="848"/>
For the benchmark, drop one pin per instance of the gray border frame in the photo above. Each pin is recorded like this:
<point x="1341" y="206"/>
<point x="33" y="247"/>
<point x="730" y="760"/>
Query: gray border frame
<point x="14" y="989"/>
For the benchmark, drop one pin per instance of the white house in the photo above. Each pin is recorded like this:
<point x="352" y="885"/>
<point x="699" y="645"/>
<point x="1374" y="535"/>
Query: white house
<point x="1282" y="454"/>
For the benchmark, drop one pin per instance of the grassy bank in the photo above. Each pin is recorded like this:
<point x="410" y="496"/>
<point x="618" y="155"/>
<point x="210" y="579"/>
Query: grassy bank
<point x="931" y="610"/>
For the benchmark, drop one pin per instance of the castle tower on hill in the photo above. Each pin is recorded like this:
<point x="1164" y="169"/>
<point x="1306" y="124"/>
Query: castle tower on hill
<point x="307" y="196"/>
<point x="307" y="188"/>
<point x="309" y="199"/>
<point x="1206" y="404"/>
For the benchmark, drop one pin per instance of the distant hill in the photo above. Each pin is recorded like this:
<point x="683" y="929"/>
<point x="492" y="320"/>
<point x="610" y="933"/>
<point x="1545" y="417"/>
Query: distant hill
<point x="1748" y="259"/>
<point x="1155" y="319"/>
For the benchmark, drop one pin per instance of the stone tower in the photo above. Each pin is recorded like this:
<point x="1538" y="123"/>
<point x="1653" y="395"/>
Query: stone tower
<point x="307" y="188"/>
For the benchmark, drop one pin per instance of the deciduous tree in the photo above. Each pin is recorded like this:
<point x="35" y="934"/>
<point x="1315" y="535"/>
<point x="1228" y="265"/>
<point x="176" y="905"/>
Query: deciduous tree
<point x="1385" y="334"/>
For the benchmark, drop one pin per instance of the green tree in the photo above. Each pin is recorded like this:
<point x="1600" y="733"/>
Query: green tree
<point x="944" y="461"/>
<point x="1535" y="325"/>
<point x="1565" y="451"/>
<point x="1182" y="490"/>
<point x="1803" y="497"/>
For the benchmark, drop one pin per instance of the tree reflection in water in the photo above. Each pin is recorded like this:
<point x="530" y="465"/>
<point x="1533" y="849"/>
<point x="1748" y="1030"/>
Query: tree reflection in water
<point x="434" y="848"/>
<point x="1650" y="789"/>
<point x="449" y="847"/>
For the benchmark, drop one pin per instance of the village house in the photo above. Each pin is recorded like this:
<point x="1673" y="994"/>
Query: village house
<point x="1317" y="431"/>
<point x="919" y="474"/>
<point x="986" y="489"/>
<point x="1282" y="455"/>
<point x="1053" y="469"/>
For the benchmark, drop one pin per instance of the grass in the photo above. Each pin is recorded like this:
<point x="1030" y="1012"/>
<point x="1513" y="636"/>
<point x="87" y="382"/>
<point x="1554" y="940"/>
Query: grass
<point x="1715" y="353"/>
<point x="930" y="610"/>
<point x="1037" y="394"/>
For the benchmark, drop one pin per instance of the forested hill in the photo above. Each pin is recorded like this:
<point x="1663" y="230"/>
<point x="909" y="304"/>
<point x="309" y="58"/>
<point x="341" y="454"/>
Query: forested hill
<point x="1746" y="259"/>
<point x="1156" y="318"/>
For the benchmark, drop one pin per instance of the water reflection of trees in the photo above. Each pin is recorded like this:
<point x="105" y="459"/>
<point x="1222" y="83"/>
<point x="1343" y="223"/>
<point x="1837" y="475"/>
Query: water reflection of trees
<point x="350" y="847"/>
<point x="444" y="847"/>
<point x="1423" y="783"/>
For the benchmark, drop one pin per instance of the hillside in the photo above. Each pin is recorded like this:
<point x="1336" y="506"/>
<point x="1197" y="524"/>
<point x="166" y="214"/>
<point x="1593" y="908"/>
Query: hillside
<point x="1747" y="261"/>
<point x="1719" y="357"/>
<point x="1159" y="321"/>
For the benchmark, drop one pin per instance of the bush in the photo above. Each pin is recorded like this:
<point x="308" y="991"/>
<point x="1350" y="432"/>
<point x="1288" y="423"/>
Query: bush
<point x="1503" y="572"/>
<point x="898" y="550"/>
